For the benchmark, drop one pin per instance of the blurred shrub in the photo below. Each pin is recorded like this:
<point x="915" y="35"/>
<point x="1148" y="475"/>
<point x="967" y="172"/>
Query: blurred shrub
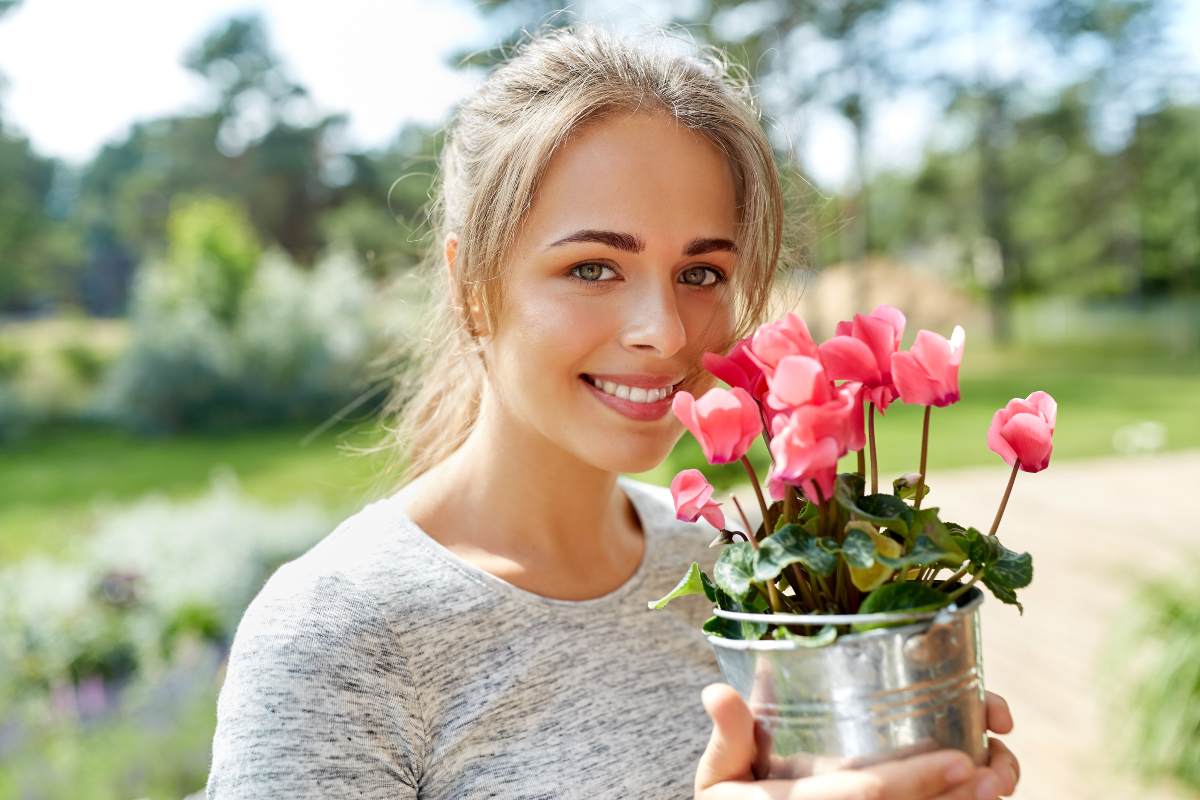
<point x="149" y="576"/>
<point x="12" y="362"/>
<point x="158" y="743"/>
<point x="17" y="415"/>
<point x="109" y="659"/>
<point x="297" y="350"/>
<point x="84" y="363"/>
<point x="1150" y="671"/>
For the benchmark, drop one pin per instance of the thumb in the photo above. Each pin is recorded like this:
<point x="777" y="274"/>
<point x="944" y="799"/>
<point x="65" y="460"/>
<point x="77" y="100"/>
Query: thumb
<point x="731" y="750"/>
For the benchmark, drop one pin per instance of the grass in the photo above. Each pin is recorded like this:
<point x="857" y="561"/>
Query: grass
<point x="52" y="484"/>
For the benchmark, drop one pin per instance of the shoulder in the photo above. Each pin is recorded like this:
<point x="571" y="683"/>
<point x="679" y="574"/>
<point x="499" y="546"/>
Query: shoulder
<point x="317" y="694"/>
<point x="325" y="608"/>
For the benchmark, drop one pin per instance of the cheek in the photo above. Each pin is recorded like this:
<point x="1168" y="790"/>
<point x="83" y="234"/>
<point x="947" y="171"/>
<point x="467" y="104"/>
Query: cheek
<point x="709" y="324"/>
<point x="552" y="336"/>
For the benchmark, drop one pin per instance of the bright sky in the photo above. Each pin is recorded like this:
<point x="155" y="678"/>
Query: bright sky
<point x="79" y="73"/>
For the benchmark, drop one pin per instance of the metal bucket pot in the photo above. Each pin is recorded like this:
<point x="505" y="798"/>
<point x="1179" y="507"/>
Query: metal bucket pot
<point x="875" y="696"/>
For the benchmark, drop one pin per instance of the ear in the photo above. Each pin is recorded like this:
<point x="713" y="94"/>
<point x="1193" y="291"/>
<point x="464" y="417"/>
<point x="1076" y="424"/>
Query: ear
<point x="475" y="317"/>
<point x="451" y="247"/>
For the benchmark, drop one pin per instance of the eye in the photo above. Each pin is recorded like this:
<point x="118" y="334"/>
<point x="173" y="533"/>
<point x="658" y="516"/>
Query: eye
<point x="718" y="276"/>
<point x="590" y="272"/>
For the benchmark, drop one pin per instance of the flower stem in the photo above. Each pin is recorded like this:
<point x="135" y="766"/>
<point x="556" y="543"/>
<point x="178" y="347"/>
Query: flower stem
<point x="960" y="590"/>
<point x="746" y="521"/>
<point x="762" y="504"/>
<point x="874" y="455"/>
<point x="802" y="587"/>
<point x="789" y="501"/>
<point x="1004" y="502"/>
<point x="961" y="571"/>
<point x="862" y="463"/>
<point x="924" y="456"/>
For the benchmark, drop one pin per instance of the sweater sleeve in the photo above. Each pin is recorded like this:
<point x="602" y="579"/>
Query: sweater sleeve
<point x="317" y="701"/>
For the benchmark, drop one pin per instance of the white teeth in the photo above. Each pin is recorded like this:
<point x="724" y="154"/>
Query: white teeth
<point x="634" y="394"/>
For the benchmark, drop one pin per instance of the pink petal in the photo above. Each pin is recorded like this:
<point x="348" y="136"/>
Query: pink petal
<point x="996" y="442"/>
<point x="1031" y="439"/>
<point x="912" y="381"/>
<point x="847" y="358"/>
<point x="1046" y="406"/>
<point x="878" y="335"/>
<point x="713" y="515"/>
<point x="894" y="317"/>
<point x="933" y="353"/>
<point x="798" y="380"/>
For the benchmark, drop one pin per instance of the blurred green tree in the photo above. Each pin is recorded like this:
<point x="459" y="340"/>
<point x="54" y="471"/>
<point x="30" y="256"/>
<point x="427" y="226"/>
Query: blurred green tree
<point x="213" y="252"/>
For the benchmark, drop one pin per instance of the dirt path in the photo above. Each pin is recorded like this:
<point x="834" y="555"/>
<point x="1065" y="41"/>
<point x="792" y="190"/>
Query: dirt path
<point x="1044" y="663"/>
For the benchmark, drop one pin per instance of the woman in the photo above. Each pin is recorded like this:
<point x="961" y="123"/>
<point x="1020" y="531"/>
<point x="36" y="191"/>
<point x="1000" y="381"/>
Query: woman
<point x="608" y="213"/>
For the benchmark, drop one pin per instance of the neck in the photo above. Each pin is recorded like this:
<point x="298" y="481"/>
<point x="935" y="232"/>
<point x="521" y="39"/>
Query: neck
<point x="514" y="493"/>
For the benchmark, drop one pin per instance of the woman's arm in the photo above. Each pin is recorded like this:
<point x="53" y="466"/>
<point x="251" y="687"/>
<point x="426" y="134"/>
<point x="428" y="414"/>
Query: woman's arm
<point x="316" y="701"/>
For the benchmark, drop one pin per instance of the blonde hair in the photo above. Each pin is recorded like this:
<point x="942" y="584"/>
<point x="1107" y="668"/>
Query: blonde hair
<point x="496" y="150"/>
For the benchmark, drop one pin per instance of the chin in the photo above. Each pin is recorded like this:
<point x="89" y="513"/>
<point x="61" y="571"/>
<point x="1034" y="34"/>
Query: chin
<point x="643" y="460"/>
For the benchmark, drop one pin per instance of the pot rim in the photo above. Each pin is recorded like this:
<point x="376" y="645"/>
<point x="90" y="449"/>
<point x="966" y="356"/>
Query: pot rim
<point x="973" y="599"/>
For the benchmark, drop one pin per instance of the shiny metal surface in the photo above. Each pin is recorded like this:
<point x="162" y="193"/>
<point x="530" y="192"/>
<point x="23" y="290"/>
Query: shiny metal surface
<point x="875" y="696"/>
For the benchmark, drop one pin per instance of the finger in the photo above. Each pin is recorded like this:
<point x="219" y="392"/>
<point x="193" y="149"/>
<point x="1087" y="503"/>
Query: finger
<point x="999" y="718"/>
<point x="730" y="751"/>
<point x="917" y="778"/>
<point x="1005" y="765"/>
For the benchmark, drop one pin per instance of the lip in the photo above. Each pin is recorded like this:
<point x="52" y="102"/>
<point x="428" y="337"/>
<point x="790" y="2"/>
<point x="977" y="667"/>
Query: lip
<point x="644" y="412"/>
<point x="644" y="380"/>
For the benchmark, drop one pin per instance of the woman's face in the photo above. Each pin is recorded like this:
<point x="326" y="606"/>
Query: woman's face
<point x="620" y="270"/>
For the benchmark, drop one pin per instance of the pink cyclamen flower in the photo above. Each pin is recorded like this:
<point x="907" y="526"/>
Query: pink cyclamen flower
<point x="691" y="492"/>
<point x="774" y="341"/>
<point x="724" y="421"/>
<point x="1024" y="431"/>
<point x="809" y="440"/>
<point x="862" y="351"/>
<point x="737" y="369"/>
<point x="927" y="374"/>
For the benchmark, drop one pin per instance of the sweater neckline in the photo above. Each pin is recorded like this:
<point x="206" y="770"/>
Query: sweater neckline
<point x="642" y="507"/>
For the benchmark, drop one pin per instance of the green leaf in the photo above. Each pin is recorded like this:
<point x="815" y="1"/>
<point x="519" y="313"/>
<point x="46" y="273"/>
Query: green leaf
<point x="734" y="629"/>
<point x="791" y="544"/>
<point x="866" y="579"/>
<point x="826" y="636"/>
<point x="1011" y="571"/>
<point x="979" y="548"/>
<point x="1003" y="570"/>
<point x="694" y="582"/>
<point x="926" y="523"/>
<point x="859" y="549"/>
<point x="885" y="510"/>
<point x="904" y="596"/>
<point x="850" y="485"/>
<point x="924" y="552"/>
<point x="734" y="570"/>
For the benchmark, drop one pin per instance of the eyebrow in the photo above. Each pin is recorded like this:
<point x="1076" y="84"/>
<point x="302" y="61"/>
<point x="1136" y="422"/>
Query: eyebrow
<point x="633" y="244"/>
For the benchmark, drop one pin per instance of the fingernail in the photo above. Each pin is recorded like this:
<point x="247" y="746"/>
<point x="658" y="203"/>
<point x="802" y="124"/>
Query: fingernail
<point x="1012" y="771"/>
<point x="989" y="788"/>
<point x="959" y="772"/>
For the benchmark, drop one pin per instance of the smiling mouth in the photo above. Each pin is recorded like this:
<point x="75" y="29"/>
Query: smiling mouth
<point x="634" y="394"/>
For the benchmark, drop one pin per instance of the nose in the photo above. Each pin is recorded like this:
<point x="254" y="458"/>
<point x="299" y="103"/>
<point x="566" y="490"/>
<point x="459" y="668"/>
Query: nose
<point x="653" y="322"/>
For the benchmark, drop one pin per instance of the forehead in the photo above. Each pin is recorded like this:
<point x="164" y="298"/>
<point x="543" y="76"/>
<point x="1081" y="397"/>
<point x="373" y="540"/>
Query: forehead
<point x="642" y="173"/>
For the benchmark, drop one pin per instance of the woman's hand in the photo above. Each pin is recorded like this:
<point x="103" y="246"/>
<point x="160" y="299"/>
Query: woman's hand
<point x="725" y="773"/>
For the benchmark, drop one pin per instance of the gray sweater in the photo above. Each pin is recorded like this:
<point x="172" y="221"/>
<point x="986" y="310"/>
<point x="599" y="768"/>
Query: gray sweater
<point x="380" y="665"/>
